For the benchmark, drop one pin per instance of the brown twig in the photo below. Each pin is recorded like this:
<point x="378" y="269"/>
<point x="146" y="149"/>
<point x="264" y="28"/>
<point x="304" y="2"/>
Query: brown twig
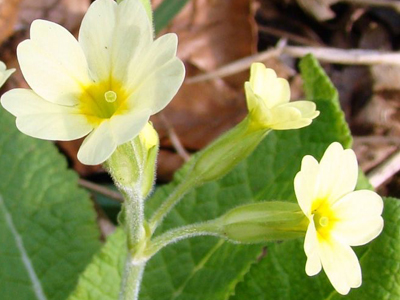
<point x="105" y="225"/>
<point x="377" y="139"/>
<point x="176" y="143"/>
<point x="101" y="190"/>
<point x="385" y="171"/>
<point x="236" y="67"/>
<point x="328" y="54"/>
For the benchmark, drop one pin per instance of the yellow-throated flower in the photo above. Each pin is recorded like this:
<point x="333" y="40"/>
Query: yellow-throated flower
<point x="106" y="85"/>
<point x="268" y="101"/>
<point x="339" y="216"/>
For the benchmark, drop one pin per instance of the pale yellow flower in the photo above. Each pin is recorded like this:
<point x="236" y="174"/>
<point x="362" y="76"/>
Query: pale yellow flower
<point x="4" y="73"/>
<point x="339" y="216"/>
<point x="268" y="101"/>
<point x="105" y="86"/>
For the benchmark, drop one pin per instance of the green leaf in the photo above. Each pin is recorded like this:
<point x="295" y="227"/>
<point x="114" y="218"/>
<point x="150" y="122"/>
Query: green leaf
<point x="281" y="274"/>
<point x="166" y="11"/>
<point x="48" y="231"/>
<point x="105" y="268"/>
<point x="205" y="267"/>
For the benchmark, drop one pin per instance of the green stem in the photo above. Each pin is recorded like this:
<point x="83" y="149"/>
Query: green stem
<point x="132" y="280"/>
<point x="134" y="220"/>
<point x="125" y="166"/>
<point x="169" y="203"/>
<point x="134" y="217"/>
<point x="210" y="228"/>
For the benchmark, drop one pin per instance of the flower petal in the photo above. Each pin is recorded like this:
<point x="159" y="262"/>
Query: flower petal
<point x="338" y="172"/>
<point x="159" y="53"/>
<point x="284" y="118"/>
<point x="113" y="35"/>
<point x="258" y="110"/>
<point x="359" y="217"/>
<point x="133" y="36"/>
<point x="251" y="99"/>
<point x="98" y="146"/>
<point x="305" y="183"/>
<point x="53" y="63"/>
<point x="341" y="265"/>
<point x="96" y="35"/>
<point x="4" y="73"/>
<point x="265" y="83"/>
<point x="306" y="108"/>
<point x="41" y="119"/>
<point x="313" y="265"/>
<point x="102" y="142"/>
<point x="160" y="87"/>
<point x="126" y="127"/>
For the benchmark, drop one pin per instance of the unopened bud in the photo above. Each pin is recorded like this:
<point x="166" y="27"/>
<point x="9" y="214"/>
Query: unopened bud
<point x="150" y="144"/>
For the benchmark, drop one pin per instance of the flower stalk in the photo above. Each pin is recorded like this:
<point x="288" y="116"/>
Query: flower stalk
<point x="214" y="162"/>
<point x="209" y="228"/>
<point x="246" y="224"/>
<point x="130" y="165"/>
<point x="181" y="190"/>
<point x="132" y="279"/>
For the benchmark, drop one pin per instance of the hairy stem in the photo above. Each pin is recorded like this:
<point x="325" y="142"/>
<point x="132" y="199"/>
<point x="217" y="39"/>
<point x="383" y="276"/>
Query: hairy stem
<point x="131" y="280"/>
<point x="211" y="228"/>
<point x="169" y="203"/>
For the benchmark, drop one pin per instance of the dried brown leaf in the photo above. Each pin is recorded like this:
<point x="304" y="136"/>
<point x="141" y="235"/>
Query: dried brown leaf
<point x="68" y="13"/>
<point x="8" y="18"/>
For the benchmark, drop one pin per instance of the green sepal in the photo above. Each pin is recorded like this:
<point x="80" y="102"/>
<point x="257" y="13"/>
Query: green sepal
<point x="226" y="152"/>
<point x="264" y="221"/>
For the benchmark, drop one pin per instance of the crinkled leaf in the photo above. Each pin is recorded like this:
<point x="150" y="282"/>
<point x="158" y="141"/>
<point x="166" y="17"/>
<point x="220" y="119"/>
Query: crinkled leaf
<point x="48" y="232"/>
<point x="105" y="267"/>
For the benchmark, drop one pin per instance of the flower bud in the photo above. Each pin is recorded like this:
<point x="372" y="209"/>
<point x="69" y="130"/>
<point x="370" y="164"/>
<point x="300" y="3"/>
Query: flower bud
<point x="265" y="221"/>
<point x="133" y="164"/>
<point x="149" y="144"/>
<point x="219" y="158"/>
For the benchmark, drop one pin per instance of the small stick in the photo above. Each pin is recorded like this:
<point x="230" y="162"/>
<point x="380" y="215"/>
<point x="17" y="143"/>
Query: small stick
<point x="175" y="139"/>
<point x="236" y="67"/>
<point x="101" y="190"/>
<point x="377" y="139"/>
<point x="328" y="54"/>
<point x="384" y="171"/>
<point x="346" y="56"/>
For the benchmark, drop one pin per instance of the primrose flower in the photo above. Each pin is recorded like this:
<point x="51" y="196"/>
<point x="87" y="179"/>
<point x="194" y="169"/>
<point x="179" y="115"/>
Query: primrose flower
<point x="106" y="85"/>
<point x="268" y="101"/>
<point x="339" y="216"/>
<point x="4" y="73"/>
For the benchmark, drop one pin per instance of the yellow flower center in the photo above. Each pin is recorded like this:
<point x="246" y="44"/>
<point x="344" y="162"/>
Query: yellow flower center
<point x="103" y="100"/>
<point x="324" y="218"/>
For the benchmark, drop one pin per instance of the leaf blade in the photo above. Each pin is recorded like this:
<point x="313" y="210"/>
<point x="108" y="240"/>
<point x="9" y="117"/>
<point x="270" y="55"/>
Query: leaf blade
<point x="37" y="193"/>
